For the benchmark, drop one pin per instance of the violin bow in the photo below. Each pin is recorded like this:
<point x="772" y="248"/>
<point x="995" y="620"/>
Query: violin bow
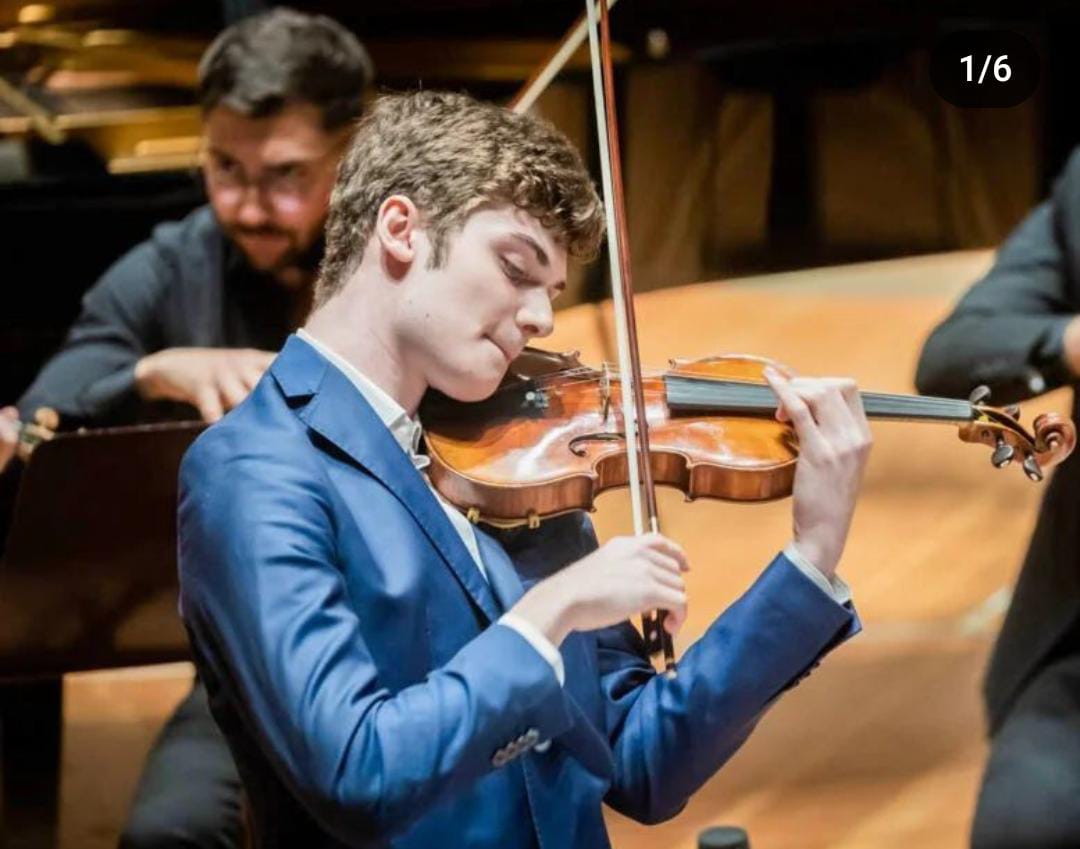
<point x="541" y="78"/>
<point x="642" y="487"/>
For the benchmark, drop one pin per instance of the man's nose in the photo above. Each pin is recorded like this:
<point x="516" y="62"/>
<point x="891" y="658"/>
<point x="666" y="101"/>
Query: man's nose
<point x="536" y="318"/>
<point x="251" y="213"/>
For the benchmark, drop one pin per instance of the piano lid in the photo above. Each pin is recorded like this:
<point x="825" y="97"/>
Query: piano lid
<point x="119" y="76"/>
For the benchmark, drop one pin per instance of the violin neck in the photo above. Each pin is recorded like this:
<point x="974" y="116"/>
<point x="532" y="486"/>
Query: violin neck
<point x="709" y="395"/>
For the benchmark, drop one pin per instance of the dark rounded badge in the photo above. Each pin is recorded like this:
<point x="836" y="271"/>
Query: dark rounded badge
<point x="985" y="68"/>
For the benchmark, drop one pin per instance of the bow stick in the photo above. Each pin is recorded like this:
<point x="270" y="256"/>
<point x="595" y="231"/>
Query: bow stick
<point x="642" y="487"/>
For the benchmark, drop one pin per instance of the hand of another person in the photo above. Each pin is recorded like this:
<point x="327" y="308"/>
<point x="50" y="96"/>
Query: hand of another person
<point x="1071" y="345"/>
<point x="623" y="577"/>
<point x="9" y="435"/>
<point x="213" y="380"/>
<point x="834" y="444"/>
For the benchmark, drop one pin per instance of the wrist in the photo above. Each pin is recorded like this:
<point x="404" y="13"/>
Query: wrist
<point x="546" y="609"/>
<point x="822" y="557"/>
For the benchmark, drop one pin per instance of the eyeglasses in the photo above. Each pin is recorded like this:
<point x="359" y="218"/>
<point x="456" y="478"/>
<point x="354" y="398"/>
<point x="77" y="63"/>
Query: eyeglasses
<point x="281" y="185"/>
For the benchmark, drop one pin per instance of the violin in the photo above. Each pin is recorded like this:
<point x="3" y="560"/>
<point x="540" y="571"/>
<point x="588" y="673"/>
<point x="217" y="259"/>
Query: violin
<point x="552" y="436"/>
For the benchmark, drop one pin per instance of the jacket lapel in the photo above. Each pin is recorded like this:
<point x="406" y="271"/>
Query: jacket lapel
<point x="335" y="409"/>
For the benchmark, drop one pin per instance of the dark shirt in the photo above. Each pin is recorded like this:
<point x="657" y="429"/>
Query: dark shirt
<point x="1007" y="332"/>
<point x="187" y="285"/>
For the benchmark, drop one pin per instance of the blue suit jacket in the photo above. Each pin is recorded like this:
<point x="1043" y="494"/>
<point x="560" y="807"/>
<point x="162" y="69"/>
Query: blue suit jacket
<point x="346" y="638"/>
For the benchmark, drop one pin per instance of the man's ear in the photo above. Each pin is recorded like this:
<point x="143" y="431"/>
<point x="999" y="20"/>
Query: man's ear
<point x="395" y="228"/>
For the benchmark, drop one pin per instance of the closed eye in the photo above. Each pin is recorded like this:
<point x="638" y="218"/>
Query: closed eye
<point x="520" y="277"/>
<point x="517" y="276"/>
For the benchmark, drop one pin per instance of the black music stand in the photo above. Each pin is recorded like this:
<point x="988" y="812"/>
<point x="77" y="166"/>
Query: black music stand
<point x="88" y="581"/>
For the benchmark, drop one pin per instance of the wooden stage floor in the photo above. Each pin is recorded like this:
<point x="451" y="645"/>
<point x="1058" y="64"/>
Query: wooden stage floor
<point x="882" y="747"/>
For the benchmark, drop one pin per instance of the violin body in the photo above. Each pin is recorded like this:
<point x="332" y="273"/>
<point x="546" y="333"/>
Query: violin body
<point x="545" y="444"/>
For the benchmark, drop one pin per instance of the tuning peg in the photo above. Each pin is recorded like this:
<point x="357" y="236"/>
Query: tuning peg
<point x="1031" y="468"/>
<point x="1013" y="411"/>
<point x="979" y="394"/>
<point x="1003" y="453"/>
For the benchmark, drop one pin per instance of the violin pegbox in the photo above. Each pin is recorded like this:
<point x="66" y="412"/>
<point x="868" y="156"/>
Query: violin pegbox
<point x="1053" y="439"/>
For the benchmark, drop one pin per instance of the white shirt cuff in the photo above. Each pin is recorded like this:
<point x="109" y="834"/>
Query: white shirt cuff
<point x="835" y="588"/>
<point x="535" y="638"/>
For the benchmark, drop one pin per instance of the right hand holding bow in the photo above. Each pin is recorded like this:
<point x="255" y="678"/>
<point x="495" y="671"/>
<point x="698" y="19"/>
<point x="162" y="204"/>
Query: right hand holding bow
<point x="622" y="578"/>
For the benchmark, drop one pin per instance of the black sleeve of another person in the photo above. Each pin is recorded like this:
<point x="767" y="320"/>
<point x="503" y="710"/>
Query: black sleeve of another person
<point x="91" y="379"/>
<point x="1006" y="332"/>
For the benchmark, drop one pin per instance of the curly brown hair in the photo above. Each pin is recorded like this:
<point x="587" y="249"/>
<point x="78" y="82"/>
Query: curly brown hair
<point x="451" y="154"/>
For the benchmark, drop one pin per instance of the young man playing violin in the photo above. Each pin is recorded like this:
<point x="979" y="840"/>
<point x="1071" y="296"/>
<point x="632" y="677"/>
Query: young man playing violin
<point x="388" y="674"/>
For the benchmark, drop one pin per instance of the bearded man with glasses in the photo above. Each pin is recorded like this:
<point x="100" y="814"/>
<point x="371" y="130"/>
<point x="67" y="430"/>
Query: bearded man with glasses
<point x="187" y="321"/>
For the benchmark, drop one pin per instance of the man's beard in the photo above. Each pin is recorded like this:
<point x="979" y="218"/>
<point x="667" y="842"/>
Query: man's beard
<point x="294" y="257"/>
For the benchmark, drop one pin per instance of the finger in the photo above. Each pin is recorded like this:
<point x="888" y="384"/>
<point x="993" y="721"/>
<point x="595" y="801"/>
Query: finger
<point x="675" y="617"/>
<point x="251" y="376"/>
<point x="667" y="547"/>
<point x="664" y="598"/>
<point x="663" y="561"/>
<point x="793" y="407"/>
<point x="825" y="398"/>
<point x="785" y="370"/>
<point x="836" y="404"/>
<point x="667" y="574"/>
<point x="854" y="400"/>
<point x="254" y="365"/>
<point x="9" y="421"/>
<point x="790" y="374"/>
<point x="259" y="359"/>
<point x="232" y="390"/>
<point x="208" y="404"/>
<point x="9" y="431"/>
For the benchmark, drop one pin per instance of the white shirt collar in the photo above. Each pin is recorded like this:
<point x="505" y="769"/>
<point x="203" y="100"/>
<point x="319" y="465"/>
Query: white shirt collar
<point x="406" y="431"/>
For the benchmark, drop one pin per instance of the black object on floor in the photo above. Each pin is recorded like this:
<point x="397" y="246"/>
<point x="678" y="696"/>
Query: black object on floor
<point x="723" y="837"/>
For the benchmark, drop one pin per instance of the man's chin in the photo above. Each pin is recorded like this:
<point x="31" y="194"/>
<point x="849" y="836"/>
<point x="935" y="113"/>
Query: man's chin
<point x="267" y="262"/>
<point x="468" y="390"/>
<point x="268" y="254"/>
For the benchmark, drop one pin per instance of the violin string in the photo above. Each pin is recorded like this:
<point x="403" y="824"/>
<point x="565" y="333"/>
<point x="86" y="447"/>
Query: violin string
<point x="710" y="385"/>
<point x="694" y="392"/>
<point x="717" y="393"/>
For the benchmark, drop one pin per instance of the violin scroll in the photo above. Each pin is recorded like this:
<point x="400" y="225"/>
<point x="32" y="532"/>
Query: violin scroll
<point x="1053" y="440"/>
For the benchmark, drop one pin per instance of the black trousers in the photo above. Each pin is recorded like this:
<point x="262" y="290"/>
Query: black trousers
<point x="1030" y="794"/>
<point x="189" y="793"/>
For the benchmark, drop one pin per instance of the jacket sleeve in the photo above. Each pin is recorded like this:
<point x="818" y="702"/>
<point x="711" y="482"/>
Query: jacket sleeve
<point x="1006" y="332"/>
<point x="668" y="736"/>
<point x="92" y="377"/>
<point x="270" y="616"/>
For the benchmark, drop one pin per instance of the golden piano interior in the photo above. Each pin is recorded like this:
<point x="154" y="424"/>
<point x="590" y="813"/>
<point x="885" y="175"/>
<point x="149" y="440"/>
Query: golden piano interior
<point x="795" y="189"/>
